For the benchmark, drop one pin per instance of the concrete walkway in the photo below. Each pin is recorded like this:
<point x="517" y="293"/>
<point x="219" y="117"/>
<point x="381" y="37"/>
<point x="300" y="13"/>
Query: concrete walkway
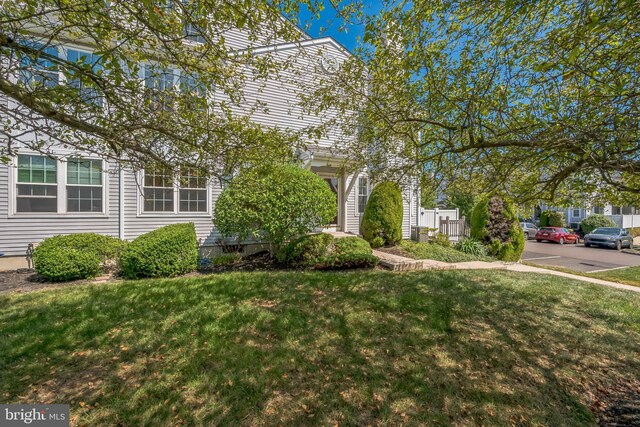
<point x="400" y="263"/>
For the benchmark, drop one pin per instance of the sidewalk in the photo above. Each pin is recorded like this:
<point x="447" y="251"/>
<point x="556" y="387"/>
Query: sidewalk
<point x="400" y="263"/>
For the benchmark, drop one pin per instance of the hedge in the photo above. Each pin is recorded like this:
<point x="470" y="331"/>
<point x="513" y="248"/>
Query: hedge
<point x="166" y="252"/>
<point x="592" y="222"/>
<point x="494" y="222"/>
<point x="382" y="219"/>
<point x="75" y="256"/>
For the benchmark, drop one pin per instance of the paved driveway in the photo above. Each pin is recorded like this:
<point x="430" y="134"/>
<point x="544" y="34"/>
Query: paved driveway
<point x="577" y="257"/>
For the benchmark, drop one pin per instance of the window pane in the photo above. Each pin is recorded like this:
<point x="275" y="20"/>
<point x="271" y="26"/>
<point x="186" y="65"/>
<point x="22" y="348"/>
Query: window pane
<point x="192" y="178"/>
<point x="158" y="200"/>
<point x="84" y="199"/>
<point x="36" y="169"/>
<point x="193" y="200"/>
<point x="27" y="204"/>
<point x="37" y="190"/>
<point x="159" y="178"/>
<point x="84" y="171"/>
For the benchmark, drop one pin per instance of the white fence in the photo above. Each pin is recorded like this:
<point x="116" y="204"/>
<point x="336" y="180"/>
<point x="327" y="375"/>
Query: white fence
<point x="430" y="218"/>
<point x="626" y="221"/>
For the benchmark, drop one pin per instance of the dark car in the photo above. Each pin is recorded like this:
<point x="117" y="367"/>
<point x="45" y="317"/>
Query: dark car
<point x="529" y="229"/>
<point x="610" y="237"/>
<point x="556" y="234"/>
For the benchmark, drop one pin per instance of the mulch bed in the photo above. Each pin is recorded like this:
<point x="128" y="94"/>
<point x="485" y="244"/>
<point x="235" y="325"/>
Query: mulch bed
<point x="258" y="261"/>
<point x="27" y="280"/>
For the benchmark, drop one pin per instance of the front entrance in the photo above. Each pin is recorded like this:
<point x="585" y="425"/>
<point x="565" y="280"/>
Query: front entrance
<point x="333" y="184"/>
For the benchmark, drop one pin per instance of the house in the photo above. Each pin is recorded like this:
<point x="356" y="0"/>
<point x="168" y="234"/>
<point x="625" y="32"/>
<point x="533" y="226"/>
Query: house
<point x="75" y="192"/>
<point x="624" y="216"/>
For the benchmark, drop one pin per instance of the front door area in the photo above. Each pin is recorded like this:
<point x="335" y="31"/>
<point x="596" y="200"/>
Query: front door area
<point x="333" y="184"/>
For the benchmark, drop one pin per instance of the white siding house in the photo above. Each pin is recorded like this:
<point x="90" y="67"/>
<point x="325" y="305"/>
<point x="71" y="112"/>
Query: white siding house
<point x="41" y="197"/>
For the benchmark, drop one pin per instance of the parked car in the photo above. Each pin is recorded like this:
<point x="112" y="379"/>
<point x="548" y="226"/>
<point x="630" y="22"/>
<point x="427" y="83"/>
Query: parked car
<point x="529" y="229"/>
<point x="556" y="234"/>
<point x="611" y="237"/>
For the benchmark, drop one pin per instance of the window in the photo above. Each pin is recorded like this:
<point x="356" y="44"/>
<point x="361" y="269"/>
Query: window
<point x="598" y="210"/>
<point x="39" y="71"/>
<point x="88" y="93"/>
<point x="615" y="210"/>
<point x="84" y="185"/>
<point x="362" y="194"/>
<point x="159" y="83"/>
<point x="158" y="191"/>
<point x="37" y="188"/>
<point x="194" y="90"/>
<point x="576" y="213"/>
<point x="193" y="191"/>
<point x="630" y="210"/>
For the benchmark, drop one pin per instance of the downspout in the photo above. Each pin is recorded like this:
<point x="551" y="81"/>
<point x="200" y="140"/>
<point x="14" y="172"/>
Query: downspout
<point x="121" y="202"/>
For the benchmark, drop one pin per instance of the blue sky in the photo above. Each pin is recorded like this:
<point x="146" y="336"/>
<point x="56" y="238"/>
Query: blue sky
<point x="329" y="24"/>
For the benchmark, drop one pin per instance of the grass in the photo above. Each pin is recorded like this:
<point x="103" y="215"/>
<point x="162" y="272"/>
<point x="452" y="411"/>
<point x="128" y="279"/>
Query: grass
<point x="426" y="348"/>
<point x="626" y="275"/>
<point x="437" y="252"/>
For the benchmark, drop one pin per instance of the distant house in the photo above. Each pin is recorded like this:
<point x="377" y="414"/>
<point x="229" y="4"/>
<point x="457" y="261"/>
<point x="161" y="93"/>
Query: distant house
<point x="624" y="216"/>
<point x="42" y="197"/>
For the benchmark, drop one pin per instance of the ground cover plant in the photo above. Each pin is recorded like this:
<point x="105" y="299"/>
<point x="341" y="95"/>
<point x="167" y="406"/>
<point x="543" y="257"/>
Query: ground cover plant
<point x="436" y="252"/>
<point x="299" y="348"/>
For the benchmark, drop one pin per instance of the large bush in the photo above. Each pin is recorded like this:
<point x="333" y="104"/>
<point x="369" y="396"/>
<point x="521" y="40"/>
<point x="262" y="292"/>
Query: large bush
<point x="323" y="252"/>
<point x="494" y="222"/>
<point x="75" y="256"/>
<point x="550" y="218"/>
<point x="382" y="219"/>
<point x="278" y="203"/>
<point x="166" y="252"/>
<point x="592" y="222"/>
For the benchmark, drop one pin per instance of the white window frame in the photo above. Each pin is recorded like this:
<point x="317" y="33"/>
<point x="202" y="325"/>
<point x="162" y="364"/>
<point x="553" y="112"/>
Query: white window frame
<point x="67" y="184"/>
<point x="367" y="190"/>
<point x="61" y="182"/>
<point x="176" y="201"/>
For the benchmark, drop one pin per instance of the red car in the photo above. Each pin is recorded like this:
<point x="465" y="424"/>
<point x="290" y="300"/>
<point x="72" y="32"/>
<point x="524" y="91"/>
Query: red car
<point x="556" y="234"/>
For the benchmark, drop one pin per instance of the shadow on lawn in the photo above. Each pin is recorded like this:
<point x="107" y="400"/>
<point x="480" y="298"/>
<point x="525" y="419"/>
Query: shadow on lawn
<point x="321" y="348"/>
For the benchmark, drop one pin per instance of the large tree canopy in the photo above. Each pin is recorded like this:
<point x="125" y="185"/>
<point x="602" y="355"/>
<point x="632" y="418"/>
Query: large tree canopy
<point x="539" y="99"/>
<point x="141" y="81"/>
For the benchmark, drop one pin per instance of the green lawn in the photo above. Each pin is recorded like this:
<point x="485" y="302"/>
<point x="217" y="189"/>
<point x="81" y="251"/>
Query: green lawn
<point x="438" y="253"/>
<point x="437" y="348"/>
<point x="629" y="275"/>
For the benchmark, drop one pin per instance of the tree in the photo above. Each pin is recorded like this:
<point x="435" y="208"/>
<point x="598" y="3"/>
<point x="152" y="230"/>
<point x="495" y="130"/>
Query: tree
<point x="541" y="97"/>
<point x="106" y="101"/>
<point x="277" y="203"/>
<point x="494" y="222"/>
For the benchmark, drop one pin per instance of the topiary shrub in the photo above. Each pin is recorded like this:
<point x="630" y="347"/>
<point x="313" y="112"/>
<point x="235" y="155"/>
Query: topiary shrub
<point x="471" y="246"/>
<point x="166" y="252"/>
<point x="594" y="221"/>
<point x="76" y="256"/>
<point x="352" y="245"/>
<point x="305" y="250"/>
<point x="550" y="218"/>
<point x="495" y="224"/>
<point x="382" y="219"/>
<point x="278" y="202"/>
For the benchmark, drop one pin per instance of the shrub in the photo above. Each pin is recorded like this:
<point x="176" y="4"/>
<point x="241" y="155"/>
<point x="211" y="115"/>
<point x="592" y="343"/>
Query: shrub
<point x="635" y="231"/>
<point x="166" y="252"/>
<point x="346" y="261"/>
<point x="278" y="202"/>
<point x="471" y="247"/>
<point x="382" y="219"/>
<point x="440" y="239"/>
<point x="226" y="259"/>
<point x="75" y="256"/>
<point x="305" y="250"/>
<point x="550" y="218"/>
<point x="323" y="252"/>
<point x="495" y="224"/>
<point x="592" y="222"/>
<point x="352" y="245"/>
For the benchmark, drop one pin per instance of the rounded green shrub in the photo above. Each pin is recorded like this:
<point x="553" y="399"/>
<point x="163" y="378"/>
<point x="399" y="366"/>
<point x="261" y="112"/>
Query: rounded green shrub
<point x="166" y="252"/>
<point x="594" y="221"/>
<point x="305" y="250"/>
<point x="75" y="256"/>
<point x="382" y="219"/>
<point x="278" y="203"/>
<point x="551" y="218"/>
<point x="494" y="223"/>
<point x="351" y="246"/>
<point x="471" y="246"/>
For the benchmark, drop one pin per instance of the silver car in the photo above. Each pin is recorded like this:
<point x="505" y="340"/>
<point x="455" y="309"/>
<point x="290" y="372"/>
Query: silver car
<point x="611" y="237"/>
<point x="529" y="229"/>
